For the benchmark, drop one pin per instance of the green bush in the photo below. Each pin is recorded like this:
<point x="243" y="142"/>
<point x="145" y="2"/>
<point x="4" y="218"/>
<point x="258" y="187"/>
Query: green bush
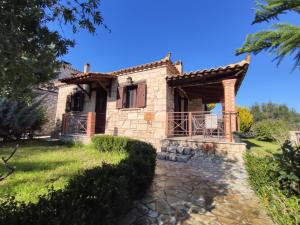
<point x="265" y="178"/>
<point x="100" y="196"/>
<point x="110" y="143"/>
<point x="245" y="118"/>
<point x="19" y="118"/>
<point x="271" y="130"/>
<point x="288" y="174"/>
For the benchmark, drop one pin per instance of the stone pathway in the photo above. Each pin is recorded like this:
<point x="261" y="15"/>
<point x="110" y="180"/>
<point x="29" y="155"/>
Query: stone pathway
<point x="207" y="190"/>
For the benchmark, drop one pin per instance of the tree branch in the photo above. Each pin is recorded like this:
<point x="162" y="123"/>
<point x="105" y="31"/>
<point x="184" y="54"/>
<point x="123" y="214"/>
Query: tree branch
<point x="9" y="168"/>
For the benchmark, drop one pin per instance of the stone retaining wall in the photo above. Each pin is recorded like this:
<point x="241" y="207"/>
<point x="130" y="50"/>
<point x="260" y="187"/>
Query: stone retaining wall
<point x="232" y="151"/>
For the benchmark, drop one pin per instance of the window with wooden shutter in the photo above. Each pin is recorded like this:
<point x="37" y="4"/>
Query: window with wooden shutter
<point x="132" y="96"/>
<point x="75" y="102"/>
<point x="120" y="97"/>
<point x="141" y="95"/>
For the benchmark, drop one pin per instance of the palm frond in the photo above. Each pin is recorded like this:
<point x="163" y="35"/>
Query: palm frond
<point x="271" y="9"/>
<point x="281" y="40"/>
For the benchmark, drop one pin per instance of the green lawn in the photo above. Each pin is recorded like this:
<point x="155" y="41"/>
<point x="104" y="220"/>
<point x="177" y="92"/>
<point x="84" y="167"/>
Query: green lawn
<point x="261" y="148"/>
<point x="41" y="164"/>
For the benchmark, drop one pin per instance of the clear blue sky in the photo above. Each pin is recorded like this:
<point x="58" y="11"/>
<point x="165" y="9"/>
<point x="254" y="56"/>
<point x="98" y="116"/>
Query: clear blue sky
<point x="202" y="34"/>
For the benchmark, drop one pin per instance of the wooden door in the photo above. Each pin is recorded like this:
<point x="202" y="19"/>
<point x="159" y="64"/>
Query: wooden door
<point x="101" y="101"/>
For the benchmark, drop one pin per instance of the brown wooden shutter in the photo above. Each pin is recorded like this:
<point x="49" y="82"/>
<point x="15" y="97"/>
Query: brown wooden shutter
<point x="141" y="95"/>
<point x="68" y="103"/>
<point x="120" y="97"/>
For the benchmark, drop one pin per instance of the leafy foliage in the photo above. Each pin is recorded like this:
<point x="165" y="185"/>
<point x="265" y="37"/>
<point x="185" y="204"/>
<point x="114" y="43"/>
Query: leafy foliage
<point x="18" y="118"/>
<point x="29" y="49"/>
<point x="276" y="111"/>
<point x="283" y="39"/>
<point x="246" y="119"/>
<point x="285" y="210"/>
<point x="101" y="195"/>
<point x="275" y="178"/>
<point x="110" y="143"/>
<point x="271" y="130"/>
<point x="289" y="174"/>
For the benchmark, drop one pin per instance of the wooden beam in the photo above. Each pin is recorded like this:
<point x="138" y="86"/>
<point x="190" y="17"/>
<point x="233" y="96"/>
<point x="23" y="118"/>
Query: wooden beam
<point x="108" y="91"/>
<point x="87" y="93"/>
<point x="184" y="93"/>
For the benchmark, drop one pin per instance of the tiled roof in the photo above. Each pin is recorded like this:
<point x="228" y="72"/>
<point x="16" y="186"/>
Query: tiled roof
<point x="152" y="65"/>
<point x="165" y="61"/>
<point x="90" y="75"/>
<point x="240" y="66"/>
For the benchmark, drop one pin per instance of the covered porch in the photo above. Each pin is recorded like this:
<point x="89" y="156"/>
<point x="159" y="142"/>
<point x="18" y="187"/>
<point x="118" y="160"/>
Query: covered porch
<point x="86" y="105"/>
<point x="190" y="116"/>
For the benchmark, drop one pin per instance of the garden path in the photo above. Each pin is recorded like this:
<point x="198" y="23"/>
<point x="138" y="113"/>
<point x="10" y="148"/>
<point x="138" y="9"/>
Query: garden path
<point x="207" y="190"/>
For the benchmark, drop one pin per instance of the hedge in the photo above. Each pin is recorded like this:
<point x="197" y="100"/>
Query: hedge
<point x="283" y="208"/>
<point x="98" y="196"/>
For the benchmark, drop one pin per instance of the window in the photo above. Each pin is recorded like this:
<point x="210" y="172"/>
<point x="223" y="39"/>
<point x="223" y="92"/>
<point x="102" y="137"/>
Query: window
<point x="130" y="95"/>
<point x="75" y="102"/>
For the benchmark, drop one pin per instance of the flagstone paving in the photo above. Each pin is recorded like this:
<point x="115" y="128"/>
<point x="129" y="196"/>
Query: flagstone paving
<point x="207" y="190"/>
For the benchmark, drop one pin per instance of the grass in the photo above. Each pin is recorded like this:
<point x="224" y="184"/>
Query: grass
<point x="41" y="165"/>
<point x="284" y="209"/>
<point x="261" y="148"/>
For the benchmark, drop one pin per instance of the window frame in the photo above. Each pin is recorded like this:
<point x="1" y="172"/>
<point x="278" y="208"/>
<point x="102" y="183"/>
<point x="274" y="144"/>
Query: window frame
<point x="130" y="96"/>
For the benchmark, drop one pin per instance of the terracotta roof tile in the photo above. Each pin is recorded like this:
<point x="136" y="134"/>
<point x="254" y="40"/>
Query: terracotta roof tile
<point x="90" y="75"/>
<point x="243" y="65"/>
<point x="146" y="66"/>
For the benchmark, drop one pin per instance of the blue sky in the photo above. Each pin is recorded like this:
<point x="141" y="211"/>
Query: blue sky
<point x="202" y="34"/>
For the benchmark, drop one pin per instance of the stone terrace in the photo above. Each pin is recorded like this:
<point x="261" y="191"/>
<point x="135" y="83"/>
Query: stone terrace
<point x="206" y="190"/>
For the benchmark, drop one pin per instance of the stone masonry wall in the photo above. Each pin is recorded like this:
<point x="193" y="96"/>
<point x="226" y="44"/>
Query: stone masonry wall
<point x="131" y="122"/>
<point x="49" y="105"/>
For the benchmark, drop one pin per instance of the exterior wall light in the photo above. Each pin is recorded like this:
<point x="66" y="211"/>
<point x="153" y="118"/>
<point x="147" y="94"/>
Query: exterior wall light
<point x="129" y="80"/>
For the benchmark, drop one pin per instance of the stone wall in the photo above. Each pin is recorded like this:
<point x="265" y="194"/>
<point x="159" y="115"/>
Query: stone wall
<point x="131" y="122"/>
<point x="195" y="105"/>
<point x="49" y="105"/>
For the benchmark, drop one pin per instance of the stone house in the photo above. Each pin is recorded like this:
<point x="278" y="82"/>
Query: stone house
<point x="151" y="102"/>
<point x="49" y="93"/>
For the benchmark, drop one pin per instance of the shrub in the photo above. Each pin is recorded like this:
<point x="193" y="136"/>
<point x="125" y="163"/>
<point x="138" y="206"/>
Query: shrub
<point x="284" y="209"/>
<point x="246" y="119"/>
<point x="271" y="130"/>
<point x="18" y="118"/>
<point x="100" y="195"/>
<point x="288" y="174"/>
<point x="110" y="143"/>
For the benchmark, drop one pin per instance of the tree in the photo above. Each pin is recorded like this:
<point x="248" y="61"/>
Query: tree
<point x="272" y="111"/>
<point x="29" y="50"/>
<point x="17" y="118"/>
<point x="246" y="118"/>
<point x="282" y="39"/>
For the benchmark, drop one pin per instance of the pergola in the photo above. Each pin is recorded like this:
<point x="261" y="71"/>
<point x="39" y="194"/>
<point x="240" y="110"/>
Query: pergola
<point x="216" y="85"/>
<point x="88" y="78"/>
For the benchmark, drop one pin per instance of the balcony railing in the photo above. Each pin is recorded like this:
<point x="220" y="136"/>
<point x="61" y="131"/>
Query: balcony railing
<point x="74" y="123"/>
<point x="203" y="124"/>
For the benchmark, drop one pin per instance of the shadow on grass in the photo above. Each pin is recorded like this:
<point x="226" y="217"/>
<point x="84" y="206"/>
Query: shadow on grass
<point x="250" y="144"/>
<point x="38" y="166"/>
<point x="34" y="143"/>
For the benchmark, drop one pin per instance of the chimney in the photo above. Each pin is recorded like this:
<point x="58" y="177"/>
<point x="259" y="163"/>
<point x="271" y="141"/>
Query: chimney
<point x="86" y="68"/>
<point x="179" y="66"/>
